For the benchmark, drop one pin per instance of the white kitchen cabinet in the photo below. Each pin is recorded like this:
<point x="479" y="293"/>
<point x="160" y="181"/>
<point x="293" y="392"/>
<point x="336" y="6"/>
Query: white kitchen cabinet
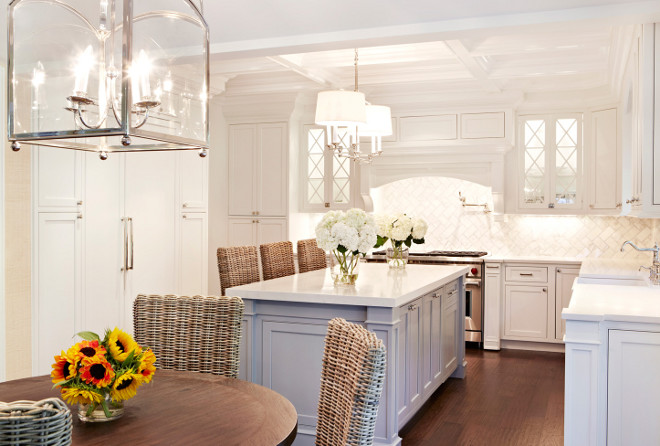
<point x="428" y="128"/>
<point x="128" y="238"/>
<point x="258" y="169"/>
<point x="432" y="337"/>
<point x="550" y="162"/>
<point x="564" y="278"/>
<point x="525" y="312"/>
<point x="193" y="246"/>
<point x="429" y="345"/>
<point x="256" y="230"/>
<point x="58" y="181"/>
<point x="409" y="387"/>
<point x="492" y="305"/>
<point x="633" y="388"/>
<point x="482" y="125"/>
<point x="56" y="292"/>
<point x="605" y="161"/>
<point x="450" y="329"/>
<point x="327" y="180"/>
<point x="193" y="180"/>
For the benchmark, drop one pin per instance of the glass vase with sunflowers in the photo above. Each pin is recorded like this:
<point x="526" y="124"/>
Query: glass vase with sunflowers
<point x="100" y="374"/>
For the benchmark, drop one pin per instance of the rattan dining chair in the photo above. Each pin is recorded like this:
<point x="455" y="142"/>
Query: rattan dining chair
<point x="196" y="334"/>
<point x="237" y="265"/>
<point x="310" y="256"/>
<point x="45" y="422"/>
<point x="277" y="260"/>
<point x="351" y="384"/>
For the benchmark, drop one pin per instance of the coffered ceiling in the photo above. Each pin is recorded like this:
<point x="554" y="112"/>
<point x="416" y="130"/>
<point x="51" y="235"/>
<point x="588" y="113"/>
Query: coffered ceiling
<point x="555" y="57"/>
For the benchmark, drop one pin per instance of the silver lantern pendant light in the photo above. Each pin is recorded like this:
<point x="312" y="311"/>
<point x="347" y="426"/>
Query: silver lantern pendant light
<point x="108" y="75"/>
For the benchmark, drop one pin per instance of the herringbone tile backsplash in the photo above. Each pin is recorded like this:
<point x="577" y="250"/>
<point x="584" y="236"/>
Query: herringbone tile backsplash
<point x="452" y="226"/>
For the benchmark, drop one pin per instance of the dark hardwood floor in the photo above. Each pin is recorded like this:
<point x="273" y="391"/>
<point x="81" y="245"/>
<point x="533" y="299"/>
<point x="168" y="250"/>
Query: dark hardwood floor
<point x="510" y="397"/>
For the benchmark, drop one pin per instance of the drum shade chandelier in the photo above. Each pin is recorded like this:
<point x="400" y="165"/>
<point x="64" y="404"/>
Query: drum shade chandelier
<point x="108" y="75"/>
<point x="347" y="117"/>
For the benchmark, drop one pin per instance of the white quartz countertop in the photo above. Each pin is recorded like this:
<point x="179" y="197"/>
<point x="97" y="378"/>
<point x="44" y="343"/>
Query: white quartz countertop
<point x="592" y="302"/>
<point x="376" y="285"/>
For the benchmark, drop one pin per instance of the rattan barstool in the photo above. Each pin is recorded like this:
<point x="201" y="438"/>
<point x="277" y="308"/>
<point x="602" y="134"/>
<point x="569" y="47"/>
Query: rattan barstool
<point x="195" y="334"/>
<point x="277" y="260"/>
<point x="351" y="384"/>
<point x="45" y="422"/>
<point x="310" y="256"/>
<point x="237" y="265"/>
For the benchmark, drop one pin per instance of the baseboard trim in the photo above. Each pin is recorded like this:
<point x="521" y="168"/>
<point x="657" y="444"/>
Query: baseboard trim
<point x="536" y="346"/>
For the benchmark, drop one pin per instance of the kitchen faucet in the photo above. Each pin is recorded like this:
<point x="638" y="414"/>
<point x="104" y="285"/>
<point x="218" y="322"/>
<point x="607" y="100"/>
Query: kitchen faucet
<point x="654" y="270"/>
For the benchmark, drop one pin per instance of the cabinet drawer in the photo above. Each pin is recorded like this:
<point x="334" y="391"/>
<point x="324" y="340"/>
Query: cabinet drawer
<point x="526" y="274"/>
<point x="451" y="287"/>
<point x="450" y="296"/>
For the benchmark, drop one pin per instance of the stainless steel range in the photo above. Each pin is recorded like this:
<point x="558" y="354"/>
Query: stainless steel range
<point x="474" y="285"/>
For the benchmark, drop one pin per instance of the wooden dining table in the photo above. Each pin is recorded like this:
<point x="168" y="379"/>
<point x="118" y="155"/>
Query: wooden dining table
<point x="181" y="408"/>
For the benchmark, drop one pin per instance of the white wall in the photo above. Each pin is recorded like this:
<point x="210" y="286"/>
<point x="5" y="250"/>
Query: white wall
<point x="218" y="192"/>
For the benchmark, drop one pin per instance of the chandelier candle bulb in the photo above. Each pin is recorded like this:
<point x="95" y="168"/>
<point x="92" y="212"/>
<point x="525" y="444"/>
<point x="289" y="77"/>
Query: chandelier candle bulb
<point x="85" y="63"/>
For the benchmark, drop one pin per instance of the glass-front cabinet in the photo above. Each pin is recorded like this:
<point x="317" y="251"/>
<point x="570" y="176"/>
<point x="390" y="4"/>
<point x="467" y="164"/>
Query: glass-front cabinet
<point x="327" y="178"/>
<point x="550" y="150"/>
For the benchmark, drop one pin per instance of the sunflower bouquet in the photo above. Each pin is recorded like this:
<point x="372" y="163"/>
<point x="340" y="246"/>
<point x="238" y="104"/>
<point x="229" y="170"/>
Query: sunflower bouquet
<point x="97" y="372"/>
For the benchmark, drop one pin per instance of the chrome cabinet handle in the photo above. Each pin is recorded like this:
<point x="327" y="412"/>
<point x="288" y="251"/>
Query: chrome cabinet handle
<point x="558" y="270"/>
<point x="411" y="307"/>
<point x="545" y="290"/>
<point x="130" y="221"/>
<point x="79" y="216"/>
<point x="493" y="266"/>
<point x="435" y="295"/>
<point x="79" y="203"/>
<point x="526" y="274"/>
<point x="125" y="224"/>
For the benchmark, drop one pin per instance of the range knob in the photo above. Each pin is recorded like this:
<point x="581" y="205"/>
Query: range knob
<point x="474" y="271"/>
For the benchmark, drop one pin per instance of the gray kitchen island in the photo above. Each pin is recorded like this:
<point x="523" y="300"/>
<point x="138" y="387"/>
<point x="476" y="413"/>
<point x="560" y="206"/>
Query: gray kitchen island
<point x="418" y="312"/>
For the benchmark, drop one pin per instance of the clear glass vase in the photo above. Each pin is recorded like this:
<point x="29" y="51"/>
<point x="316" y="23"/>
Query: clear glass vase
<point x="397" y="257"/>
<point x="344" y="268"/>
<point x="94" y="413"/>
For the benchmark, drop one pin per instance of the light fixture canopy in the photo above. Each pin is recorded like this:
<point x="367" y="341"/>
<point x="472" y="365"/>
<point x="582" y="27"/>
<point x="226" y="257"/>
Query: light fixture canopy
<point x="348" y="117"/>
<point x="108" y="75"/>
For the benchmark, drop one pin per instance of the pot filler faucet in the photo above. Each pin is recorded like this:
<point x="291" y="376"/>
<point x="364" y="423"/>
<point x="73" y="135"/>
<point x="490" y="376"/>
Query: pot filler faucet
<point x="654" y="270"/>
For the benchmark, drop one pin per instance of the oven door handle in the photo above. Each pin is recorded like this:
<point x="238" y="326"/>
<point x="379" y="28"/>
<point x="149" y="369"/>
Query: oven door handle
<point x="473" y="281"/>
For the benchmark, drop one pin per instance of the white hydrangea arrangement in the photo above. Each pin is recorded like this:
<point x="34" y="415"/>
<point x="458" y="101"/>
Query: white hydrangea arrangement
<point x="347" y="235"/>
<point x="400" y="230"/>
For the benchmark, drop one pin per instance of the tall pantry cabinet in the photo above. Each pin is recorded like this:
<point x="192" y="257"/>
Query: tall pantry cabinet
<point x="106" y="231"/>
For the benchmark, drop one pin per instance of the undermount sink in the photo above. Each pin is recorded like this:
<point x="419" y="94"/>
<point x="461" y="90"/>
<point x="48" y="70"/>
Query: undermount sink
<point x="640" y="281"/>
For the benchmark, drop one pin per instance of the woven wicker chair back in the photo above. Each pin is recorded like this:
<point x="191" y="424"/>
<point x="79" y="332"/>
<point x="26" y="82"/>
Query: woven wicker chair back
<point x="310" y="256"/>
<point x="195" y="334"/>
<point x="45" y="422"/>
<point x="277" y="260"/>
<point x="351" y="384"/>
<point x="237" y="265"/>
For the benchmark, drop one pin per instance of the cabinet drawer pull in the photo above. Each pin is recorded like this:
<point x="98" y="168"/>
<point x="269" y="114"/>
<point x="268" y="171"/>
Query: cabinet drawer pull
<point x="435" y="295"/>
<point x="411" y="307"/>
<point x="526" y="274"/>
<point x="493" y="266"/>
<point x="453" y="292"/>
<point x="545" y="290"/>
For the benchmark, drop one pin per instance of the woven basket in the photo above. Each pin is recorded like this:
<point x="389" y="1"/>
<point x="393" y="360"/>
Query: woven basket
<point x="45" y="422"/>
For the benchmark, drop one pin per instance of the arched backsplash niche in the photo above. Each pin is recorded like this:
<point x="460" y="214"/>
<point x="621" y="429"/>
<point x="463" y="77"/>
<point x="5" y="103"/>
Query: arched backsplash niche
<point x="452" y="226"/>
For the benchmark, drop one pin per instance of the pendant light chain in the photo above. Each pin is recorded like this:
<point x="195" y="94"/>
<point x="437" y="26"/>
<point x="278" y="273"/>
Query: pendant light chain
<point x="356" y="70"/>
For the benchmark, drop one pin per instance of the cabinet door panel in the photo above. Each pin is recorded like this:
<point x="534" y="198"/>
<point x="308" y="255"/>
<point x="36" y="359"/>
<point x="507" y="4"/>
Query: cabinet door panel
<point x="633" y="388"/>
<point x="606" y="181"/>
<point x="58" y="303"/>
<point x="271" y="230"/>
<point x="243" y="179"/>
<point x="103" y="283"/>
<point x="563" y="290"/>
<point x="436" y="337"/>
<point x="526" y="311"/>
<point x="242" y="231"/>
<point x="193" y="181"/>
<point x="58" y="179"/>
<point x="272" y="158"/>
<point x="193" y="248"/>
<point x="450" y="335"/>
<point x="150" y="202"/>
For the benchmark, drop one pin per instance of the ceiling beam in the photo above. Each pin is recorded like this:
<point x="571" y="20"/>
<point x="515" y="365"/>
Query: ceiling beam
<point x="472" y="66"/>
<point x="325" y="80"/>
